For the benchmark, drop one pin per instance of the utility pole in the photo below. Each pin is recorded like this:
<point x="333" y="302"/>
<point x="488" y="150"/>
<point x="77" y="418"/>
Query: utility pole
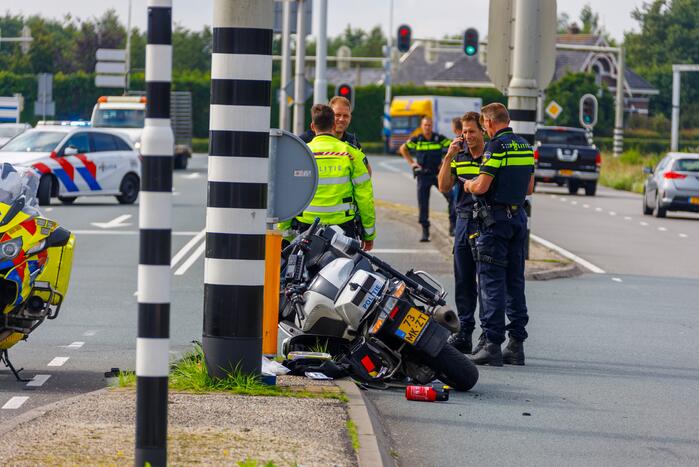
<point x="234" y="266"/>
<point x="320" y="91"/>
<point x="155" y="230"/>
<point x="300" y="79"/>
<point x="284" y="113"/>
<point x="387" y="81"/>
<point x="128" y="49"/>
<point x="523" y="90"/>
<point x="619" y="117"/>
<point x="675" y="134"/>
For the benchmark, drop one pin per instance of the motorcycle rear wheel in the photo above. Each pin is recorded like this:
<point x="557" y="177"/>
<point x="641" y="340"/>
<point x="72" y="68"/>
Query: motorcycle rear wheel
<point x="453" y="368"/>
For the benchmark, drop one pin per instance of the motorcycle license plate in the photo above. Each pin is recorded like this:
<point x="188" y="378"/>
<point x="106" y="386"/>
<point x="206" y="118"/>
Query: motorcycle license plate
<point x="412" y="325"/>
<point x="565" y="173"/>
<point x="694" y="200"/>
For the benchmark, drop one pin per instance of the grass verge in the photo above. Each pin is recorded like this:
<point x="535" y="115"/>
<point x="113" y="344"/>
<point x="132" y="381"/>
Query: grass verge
<point x="626" y="171"/>
<point x="353" y="435"/>
<point x="189" y="374"/>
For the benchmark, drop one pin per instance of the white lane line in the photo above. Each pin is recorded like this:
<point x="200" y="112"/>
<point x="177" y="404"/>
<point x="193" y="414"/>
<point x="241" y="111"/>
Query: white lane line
<point x="644" y="224"/>
<point x="116" y="222"/>
<point x="586" y="206"/>
<point x="183" y="233"/>
<point x="74" y="345"/>
<point x="38" y="381"/>
<point x="573" y="203"/>
<point x="90" y="333"/>
<point x="612" y="213"/>
<point x="401" y="251"/>
<point x="192" y="175"/>
<point x="187" y="264"/>
<point x="598" y="209"/>
<point x="662" y="229"/>
<point x="564" y="199"/>
<point x="58" y="361"/>
<point x="567" y="254"/>
<point x="627" y="218"/>
<point x="386" y="165"/>
<point x="15" y="402"/>
<point x="185" y="249"/>
<point x="617" y="279"/>
<point x="683" y="235"/>
<point x="48" y="209"/>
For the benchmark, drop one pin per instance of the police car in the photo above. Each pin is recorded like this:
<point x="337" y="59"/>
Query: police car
<point x="74" y="160"/>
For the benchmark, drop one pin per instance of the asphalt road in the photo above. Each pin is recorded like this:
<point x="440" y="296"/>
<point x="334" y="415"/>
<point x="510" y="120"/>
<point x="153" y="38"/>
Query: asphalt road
<point x="611" y="376"/>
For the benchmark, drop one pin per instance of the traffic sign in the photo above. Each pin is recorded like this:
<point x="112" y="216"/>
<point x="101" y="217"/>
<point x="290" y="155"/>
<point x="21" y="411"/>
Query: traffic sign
<point x="499" y="58"/>
<point x="291" y="86"/>
<point x="554" y="109"/>
<point x="44" y="105"/>
<point x="278" y="10"/>
<point x="111" y="55"/>
<point x="9" y="109"/>
<point x="111" y="68"/>
<point x="110" y="81"/>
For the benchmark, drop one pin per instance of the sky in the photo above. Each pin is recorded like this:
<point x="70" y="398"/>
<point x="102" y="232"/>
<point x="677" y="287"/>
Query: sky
<point x="428" y="19"/>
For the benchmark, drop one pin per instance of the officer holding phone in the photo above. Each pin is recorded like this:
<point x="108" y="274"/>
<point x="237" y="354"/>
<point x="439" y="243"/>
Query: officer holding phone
<point x="461" y="163"/>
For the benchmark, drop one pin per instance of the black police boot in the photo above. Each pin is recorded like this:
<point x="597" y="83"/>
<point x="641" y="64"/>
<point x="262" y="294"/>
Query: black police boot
<point x="514" y="352"/>
<point x="461" y="341"/>
<point x="425" y="234"/>
<point x="479" y="344"/>
<point x="489" y="354"/>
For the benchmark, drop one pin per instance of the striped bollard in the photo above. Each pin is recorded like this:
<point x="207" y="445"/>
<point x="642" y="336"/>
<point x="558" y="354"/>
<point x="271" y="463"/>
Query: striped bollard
<point x="155" y="224"/>
<point x="234" y="266"/>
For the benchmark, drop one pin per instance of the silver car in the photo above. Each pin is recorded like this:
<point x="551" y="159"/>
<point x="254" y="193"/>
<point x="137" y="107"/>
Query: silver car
<point x="673" y="185"/>
<point x="10" y="130"/>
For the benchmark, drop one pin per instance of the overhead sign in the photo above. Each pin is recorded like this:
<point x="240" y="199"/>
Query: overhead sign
<point x="111" y="68"/>
<point x="554" y="109"/>
<point x="308" y="7"/>
<point x="44" y="105"/>
<point x="500" y="50"/>
<point x="9" y="109"/>
<point x="293" y="176"/>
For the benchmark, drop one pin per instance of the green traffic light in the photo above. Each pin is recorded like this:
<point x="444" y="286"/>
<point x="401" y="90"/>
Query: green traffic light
<point x="587" y="119"/>
<point x="470" y="50"/>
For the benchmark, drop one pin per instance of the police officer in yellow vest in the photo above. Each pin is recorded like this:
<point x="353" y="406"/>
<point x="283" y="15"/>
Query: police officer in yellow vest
<point x="344" y="189"/>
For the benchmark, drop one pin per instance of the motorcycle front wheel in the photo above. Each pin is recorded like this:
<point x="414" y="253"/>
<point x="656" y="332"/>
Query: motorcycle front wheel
<point x="453" y="368"/>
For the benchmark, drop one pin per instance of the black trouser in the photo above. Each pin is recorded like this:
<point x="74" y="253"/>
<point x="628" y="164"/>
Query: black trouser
<point x="424" y="186"/>
<point x="466" y="288"/>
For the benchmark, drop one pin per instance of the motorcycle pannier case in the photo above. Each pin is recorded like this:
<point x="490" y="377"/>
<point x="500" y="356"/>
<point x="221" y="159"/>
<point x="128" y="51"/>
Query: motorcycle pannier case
<point x="57" y="270"/>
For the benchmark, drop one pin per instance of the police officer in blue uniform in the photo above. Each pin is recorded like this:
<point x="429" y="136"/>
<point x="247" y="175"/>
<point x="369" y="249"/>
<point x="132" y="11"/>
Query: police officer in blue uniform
<point x="428" y="148"/>
<point x="462" y="163"/>
<point x="506" y="178"/>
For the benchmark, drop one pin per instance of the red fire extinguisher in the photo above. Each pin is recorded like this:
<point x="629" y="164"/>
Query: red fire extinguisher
<point x="427" y="393"/>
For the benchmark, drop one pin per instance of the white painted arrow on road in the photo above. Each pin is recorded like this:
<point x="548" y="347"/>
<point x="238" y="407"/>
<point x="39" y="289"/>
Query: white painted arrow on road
<point x="116" y="222"/>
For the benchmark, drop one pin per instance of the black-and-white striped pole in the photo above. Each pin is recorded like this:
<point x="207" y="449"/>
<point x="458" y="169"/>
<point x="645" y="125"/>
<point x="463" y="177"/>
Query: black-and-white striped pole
<point x="155" y="223"/>
<point x="234" y="267"/>
<point x="523" y="90"/>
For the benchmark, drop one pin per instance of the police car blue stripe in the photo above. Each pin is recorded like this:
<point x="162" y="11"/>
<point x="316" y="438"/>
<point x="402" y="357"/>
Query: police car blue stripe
<point x="65" y="179"/>
<point x="91" y="182"/>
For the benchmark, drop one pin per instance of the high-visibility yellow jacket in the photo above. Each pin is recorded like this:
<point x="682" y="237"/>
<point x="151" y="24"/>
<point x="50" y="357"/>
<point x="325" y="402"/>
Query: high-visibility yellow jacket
<point x="344" y="187"/>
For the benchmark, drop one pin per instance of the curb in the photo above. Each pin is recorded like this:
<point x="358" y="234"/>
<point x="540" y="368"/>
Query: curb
<point x="33" y="414"/>
<point x="369" y="454"/>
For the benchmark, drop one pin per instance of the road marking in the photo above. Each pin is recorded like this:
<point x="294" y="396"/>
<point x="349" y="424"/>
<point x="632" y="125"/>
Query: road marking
<point x="564" y="199"/>
<point x="662" y="229"/>
<point x="644" y="224"/>
<point x="586" y="206"/>
<point x="617" y="279"/>
<point x="598" y="209"/>
<point x="192" y="175"/>
<point x="176" y="193"/>
<point x="567" y="254"/>
<point x="48" y="209"/>
<point x="187" y="264"/>
<point x="683" y="235"/>
<point x="38" y="381"/>
<point x="75" y="345"/>
<point x="612" y="213"/>
<point x="386" y="165"/>
<point x="58" y="361"/>
<point x="183" y="233"/>
<point x="400" y="251"/>
<point x="185" y="249"/>
<point x="15" y="402"/>
<point x="116" y="222"/>
<point x="627" y="218"/>
<point x="90" y="333"/>
<point x="573" y="203"/>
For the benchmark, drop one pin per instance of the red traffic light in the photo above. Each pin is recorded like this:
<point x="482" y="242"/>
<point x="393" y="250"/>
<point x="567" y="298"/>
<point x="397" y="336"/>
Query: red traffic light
<point x="404" y="31"/>
<point x="344" y="91"/>
<point x="404" y="38"/>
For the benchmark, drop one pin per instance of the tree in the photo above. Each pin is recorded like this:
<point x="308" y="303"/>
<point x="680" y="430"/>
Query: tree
<point x="669" y="34"/>
<point x="568" y="90"/>
<point x="589" y="20"/>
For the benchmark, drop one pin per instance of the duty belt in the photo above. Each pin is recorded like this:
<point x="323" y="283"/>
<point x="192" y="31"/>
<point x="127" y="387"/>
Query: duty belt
<point x="507" y="207"/>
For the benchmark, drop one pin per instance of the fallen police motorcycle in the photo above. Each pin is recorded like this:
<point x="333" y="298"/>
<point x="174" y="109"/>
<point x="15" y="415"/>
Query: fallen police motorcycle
<point x="36" y="256"/>
<point x="379" y="324"/>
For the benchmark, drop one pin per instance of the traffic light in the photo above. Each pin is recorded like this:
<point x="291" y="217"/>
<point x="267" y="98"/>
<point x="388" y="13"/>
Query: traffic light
<point x="471" y="42"/>
<point x="588" y="110"/>
<point x="404" y="37"/>
<point x="347" y="91"/>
